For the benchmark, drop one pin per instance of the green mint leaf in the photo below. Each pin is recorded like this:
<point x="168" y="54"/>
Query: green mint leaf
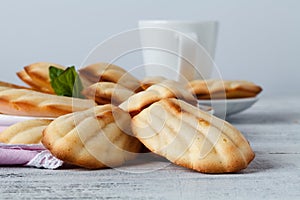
<point x="66" y="82"/>
<point x="54" y="72"/>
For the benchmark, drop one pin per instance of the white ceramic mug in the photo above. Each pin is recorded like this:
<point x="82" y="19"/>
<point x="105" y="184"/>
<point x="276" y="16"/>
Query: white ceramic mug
<point x="178" y="49"/>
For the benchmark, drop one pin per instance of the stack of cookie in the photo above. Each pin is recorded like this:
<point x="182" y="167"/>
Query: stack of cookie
<point x="96" y="138"/>
<point x="37" y="100"/>
<point x="119" y="115"/>
<point x="107" y="83"/>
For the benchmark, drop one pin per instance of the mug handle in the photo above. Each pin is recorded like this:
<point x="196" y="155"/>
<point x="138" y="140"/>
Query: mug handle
<point x="187" y="56"/>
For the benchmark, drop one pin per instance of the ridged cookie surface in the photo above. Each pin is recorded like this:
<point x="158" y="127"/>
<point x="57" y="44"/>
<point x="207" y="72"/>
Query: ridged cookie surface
<point x="220" y="89"/>
<point x="25" y="132"/>
<point x="105" y="72"/>
<point x="25" y="102"/>
<point x="151" y="80"/>
<point x="11" y="85"/>
<point x="107" y="93"/>
<point x="192" y="138"/>
<point x="93" y="72"/>
<point x="27" y="79"/>
<point x="96" y="138"/>
<point x="164" y="89"/>
<point x="37" y="76"/>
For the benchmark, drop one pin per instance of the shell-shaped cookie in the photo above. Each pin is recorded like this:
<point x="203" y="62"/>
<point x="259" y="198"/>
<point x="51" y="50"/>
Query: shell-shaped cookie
<point x="11" y="85"/>
<point x="220" y="89"/>
<point x="151" y="80"/>
<point x="107" y="93"/>
<point x="14" y="101"/>
<point x="93" y="72"/>
<point x="105" y="72"/>
<point x="27" y="79"/>
<point x="97" y="138"/>
<point x="164" y="89"/>
<point x="25" y="132"/>
<point x="192" y="138"/>
<point x="37" y="75"/>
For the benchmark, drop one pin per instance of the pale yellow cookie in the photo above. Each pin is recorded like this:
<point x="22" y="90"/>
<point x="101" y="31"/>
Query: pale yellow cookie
<point x="14" y="101"/>
<point x="164" y="89"/>
<point x="107" y="93"/>
<point x="27" y="79"/>
<point x="96" y="138"/>
<point x="192" y="138"/>
<point x="152" y="80"/>
<point x="220" y="89"/>
<point x="11" y="85"/>
<point x="37" y="75"/>
<point x="26" y="132"/>
<point x="104" y="72"/>
<point x="92" y="73"/>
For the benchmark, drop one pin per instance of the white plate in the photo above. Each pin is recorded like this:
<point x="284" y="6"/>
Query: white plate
<point x="206" y="108"/>
<point x="8" y="120"/>
<point x="226" y="107"/>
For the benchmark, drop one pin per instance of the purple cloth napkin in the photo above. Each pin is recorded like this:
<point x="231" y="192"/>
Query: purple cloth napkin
<point x="24" y="155"/>
<point x="28" y="155"/>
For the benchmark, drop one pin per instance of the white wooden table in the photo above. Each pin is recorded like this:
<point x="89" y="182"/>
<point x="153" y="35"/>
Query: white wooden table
<point x="272" y="126"/>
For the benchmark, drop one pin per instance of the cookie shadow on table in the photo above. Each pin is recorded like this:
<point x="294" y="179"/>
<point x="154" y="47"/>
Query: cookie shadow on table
<point x="150" y="163"/>
<point x="144" y="162"/>
<point x="261" y="163"/>
<point x="263" y="118"/>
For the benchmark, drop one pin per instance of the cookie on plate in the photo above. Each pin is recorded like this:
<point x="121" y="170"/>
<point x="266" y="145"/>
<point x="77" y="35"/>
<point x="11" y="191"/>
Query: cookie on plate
<point x="164" y="89"/>
<point x="25" y="132"/>
<point x="107" y="93"/>
<point x="34" y="86"/>
<point x="221" y="89"/>
<point x="192" y="138"/>
<point x="105" y="72"/>
<point x="37" y="76"/>
<point x="151" y="80"/>
<point x="24" y="102"/>
<point x="96" y="138"/>
<point x="92" y="73"/>
<point x="11" y="85"/>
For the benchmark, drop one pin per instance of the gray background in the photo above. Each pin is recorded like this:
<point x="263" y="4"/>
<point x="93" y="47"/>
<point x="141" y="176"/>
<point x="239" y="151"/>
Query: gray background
<point x="258" y="40"/>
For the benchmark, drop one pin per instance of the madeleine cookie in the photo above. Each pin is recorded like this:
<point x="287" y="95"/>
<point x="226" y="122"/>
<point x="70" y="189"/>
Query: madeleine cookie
<point x="151" y="80"/>
<point x="192" y="138"/>
<point x="93" y="72"/>
<point x="27" y="79"/>
<point x="107" y="93"/>
<point x="25" y="132"/>
<point x="37" y="76"/>
<point x="105" y="72"/>
<point x="165" y="89"/>
<point x="96" y="138"/>
<point x="11" y="85"/>
<point x="220" y="89"/>
<point x="25" y="102"/>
